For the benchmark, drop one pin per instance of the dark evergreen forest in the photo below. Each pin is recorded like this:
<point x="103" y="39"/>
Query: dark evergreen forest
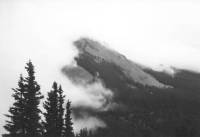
<point x="141" y="112"/>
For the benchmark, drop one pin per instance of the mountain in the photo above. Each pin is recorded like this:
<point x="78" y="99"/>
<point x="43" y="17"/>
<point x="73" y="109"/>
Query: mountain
<point x="99" y="54"/>
<point x="147" y="103"/>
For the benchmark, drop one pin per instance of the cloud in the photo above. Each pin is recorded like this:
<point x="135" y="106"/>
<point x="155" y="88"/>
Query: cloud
<point x="85" y="98"/>
<point x="90" y="122"/>
<point x="89" y="95"/>
<point x="94" y="95"/>
<point x="151" y="33"/>
<point x="91" y="90"/>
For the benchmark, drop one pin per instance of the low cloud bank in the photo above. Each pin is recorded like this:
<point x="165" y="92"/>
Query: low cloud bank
<point x="88" y="94"/>
<point x="90" y="122"/>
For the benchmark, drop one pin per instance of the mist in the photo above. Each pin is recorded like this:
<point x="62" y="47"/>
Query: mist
<point x="156" y="34"/>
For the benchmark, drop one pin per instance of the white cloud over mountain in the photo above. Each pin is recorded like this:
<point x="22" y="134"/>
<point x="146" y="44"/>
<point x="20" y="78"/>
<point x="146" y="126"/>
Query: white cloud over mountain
<point x="150" y="33"/>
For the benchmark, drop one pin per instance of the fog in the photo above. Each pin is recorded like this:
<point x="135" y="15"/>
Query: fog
<point x="155" y="34"/>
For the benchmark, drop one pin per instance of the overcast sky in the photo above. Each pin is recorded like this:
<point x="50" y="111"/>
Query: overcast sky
<point x="151" y="33"/>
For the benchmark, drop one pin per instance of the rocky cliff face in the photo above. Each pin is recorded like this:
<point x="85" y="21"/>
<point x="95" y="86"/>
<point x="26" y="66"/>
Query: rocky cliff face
<point x="94" y="52"/>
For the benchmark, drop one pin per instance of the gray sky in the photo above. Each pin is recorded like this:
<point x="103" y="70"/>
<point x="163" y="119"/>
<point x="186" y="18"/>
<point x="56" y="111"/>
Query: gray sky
<point x="151" y="33"/>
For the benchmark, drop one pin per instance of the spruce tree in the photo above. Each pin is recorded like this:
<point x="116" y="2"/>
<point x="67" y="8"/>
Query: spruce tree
<point x="25" y="113"/>
<point x="84" y="132"/>
<point x="54" y="115"/>
<point x="61" y="98"/>
<point x="51" y="115"/>
<point x="68" y="130"/>
<point x="16" y="125"/>
<point x="33" y="97"/>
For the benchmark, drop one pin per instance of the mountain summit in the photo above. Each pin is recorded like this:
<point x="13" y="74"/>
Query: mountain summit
<point x="94" y="52"/>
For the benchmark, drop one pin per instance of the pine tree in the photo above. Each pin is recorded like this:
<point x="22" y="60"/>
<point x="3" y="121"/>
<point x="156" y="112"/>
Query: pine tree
<point x="16" y="125"/>
<point x="51" y="115"/>
<point x="84" y="132"/>
<point x="68" y="130"/>
<point x="60" y="111"/>
<point x="25" y="113"/>
<point x="33" y="97"/>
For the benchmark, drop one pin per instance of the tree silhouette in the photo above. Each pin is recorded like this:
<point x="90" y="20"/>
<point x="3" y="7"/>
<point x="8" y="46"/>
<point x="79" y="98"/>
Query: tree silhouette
<point x="51" y="115"/>
<point x="24" y="114"/>
<point x="60" y="120"/>
<point x="85" y="133"/>
<point x="32" y="97"/>
<point x="68" y="130"/>
<point x="16" y="125"/>
<point x="54" y="120"/>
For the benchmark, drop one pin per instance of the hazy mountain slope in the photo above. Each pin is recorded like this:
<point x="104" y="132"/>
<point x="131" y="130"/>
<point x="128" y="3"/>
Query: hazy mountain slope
<point x="182" y="79"/>
<point x="99" y="54"/>
<point x="144" y="105"/>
